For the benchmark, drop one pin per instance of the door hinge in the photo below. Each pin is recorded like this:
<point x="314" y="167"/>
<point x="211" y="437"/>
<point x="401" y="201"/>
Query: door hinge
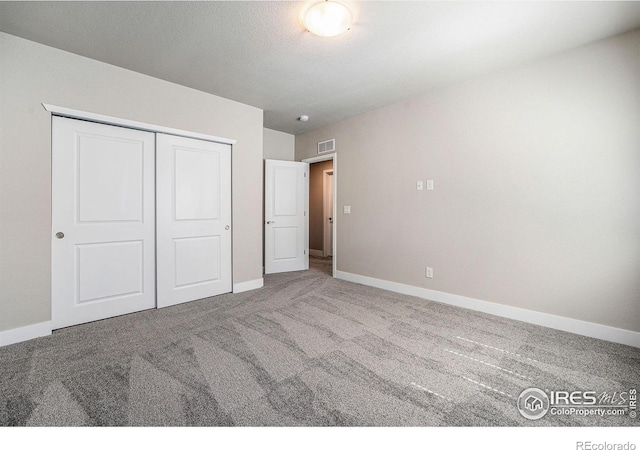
<point x="305" y="174"/>
<point x="305" y="252"/>
<point x="305" y="213"/>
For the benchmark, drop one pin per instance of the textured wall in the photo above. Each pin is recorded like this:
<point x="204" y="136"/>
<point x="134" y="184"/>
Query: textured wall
<point x="31" y="74"/>
<point x="537" y="186"/>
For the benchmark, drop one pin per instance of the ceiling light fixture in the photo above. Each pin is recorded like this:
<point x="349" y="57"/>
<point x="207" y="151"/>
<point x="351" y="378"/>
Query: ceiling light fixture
<point x="328" y="19"/>
<point x="303" y="118"/>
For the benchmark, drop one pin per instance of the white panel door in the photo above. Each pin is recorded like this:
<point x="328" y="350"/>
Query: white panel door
<point x="286" y="229"/>
<point x="194" y="219"/>
<point x="103" y="219"/>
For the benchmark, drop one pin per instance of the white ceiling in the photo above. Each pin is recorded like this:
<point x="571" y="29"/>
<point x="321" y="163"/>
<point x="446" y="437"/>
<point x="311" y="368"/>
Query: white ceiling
<point x="259" y="54"/>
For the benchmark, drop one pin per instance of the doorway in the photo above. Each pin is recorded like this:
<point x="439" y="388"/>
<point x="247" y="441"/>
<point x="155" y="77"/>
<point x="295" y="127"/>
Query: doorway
<point x="322" y="213"/>
<point x="327" y="211"/>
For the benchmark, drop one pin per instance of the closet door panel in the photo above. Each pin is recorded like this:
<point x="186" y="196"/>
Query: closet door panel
<point x="194" y="219"/>
<point x="103" y="221"/>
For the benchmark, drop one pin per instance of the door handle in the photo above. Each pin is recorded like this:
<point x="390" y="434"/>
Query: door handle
<point x="330" y="219"/>
<point x="59" y="234"/>
<point x="270" y="222"/>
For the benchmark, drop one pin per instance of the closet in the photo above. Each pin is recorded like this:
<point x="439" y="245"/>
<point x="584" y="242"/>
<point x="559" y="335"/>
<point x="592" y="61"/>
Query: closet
<point x="139" y="220"/>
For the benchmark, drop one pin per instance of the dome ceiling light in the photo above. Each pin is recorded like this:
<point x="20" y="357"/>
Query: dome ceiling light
<point x="328" y="19"/>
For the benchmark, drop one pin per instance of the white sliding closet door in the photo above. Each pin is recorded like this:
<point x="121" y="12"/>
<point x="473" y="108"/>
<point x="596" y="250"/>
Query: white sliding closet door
<point x="103" y="219"/>
<point x="194" y="219"/>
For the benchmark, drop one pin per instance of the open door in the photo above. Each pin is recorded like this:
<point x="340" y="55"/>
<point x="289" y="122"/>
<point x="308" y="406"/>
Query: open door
<point x="286" y="229"/>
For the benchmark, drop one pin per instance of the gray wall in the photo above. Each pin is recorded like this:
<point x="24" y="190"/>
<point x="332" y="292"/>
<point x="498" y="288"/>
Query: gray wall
<point x="537" y="186"/>
<point x="278" y="145"/>
<point x="31" y="74"/>
<point x="316" y="204"/>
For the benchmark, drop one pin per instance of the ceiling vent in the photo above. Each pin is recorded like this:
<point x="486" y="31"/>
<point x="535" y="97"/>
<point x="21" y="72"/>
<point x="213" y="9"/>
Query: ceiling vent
<point x="327" y="146"/>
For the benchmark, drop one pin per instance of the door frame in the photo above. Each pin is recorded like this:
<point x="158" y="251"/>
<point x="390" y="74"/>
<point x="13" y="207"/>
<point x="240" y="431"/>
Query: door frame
<point x="334" y="157"/>
<point x="325" y="228"/>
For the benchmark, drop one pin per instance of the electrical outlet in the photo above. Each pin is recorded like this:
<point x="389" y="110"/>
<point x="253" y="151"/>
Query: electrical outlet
<point x="429" y="185"/>
<point x="347" y="210"/>
<point x="419" y="185"/>
<point x="429" y="272"/>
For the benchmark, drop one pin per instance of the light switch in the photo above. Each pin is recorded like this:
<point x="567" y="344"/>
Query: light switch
<point x="419" y="185"/>
<point x="347" y="209"/>
<point x="429" y="185"/>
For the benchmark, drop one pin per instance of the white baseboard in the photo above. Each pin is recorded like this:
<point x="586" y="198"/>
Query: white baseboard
<point x="248" y="285"/>
<point x="22" y="334"/>
<point x="314" y="252"/>
<point x="581" y="327"/>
